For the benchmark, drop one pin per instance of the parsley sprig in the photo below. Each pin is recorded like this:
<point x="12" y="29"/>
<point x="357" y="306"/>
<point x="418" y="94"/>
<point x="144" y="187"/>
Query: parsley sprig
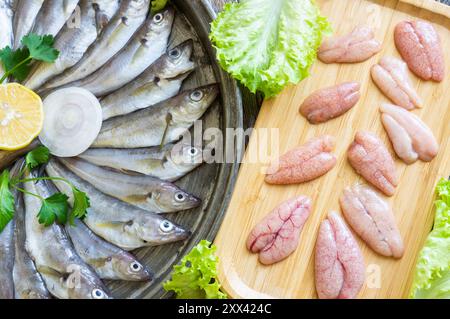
<point x="54" y="208"/>
<point x="17" y="63"/>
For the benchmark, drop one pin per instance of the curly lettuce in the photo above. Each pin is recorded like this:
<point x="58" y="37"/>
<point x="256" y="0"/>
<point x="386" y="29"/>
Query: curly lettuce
<point x="432" y="277"/>
<point x="158" y="5"/>
<point x="267" y="44"/>
<point x="196" y="276"/>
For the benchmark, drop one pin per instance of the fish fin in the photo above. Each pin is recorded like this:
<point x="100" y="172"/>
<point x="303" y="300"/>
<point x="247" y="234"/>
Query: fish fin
<point x="144" y="42"/>
<point x="101" y="18"/>
<point x="165" y="159"/>
<point x="129" y="172"/>
<point x="166" y="130"/>
<point x="46" y="270"/>
<point x="183" y="76"/>
<point x="146" y="86"/>
<point x="98" y="262"/>
<point x="111" y="224"/>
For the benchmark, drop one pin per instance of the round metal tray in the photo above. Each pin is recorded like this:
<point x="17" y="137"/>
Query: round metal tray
<point x="213" y="183"/>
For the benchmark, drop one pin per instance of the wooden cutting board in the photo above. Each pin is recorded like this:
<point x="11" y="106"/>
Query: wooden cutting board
<point x="241" y="275"/>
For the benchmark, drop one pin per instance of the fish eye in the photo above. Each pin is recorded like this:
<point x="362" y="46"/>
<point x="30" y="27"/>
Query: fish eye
<point x="175" y="53"/>
<point x="98" y="294"/>
<point x="158" y="18"/>
<point x="180" y="197"/>
<point x="193" y="151"/>
<point x="135" y="266"/>
<point x="196" y="96"/>
<point x="166" y="226"/>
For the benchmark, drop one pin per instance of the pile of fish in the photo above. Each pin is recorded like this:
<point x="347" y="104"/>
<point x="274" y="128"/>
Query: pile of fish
<point x="118" y="50"/>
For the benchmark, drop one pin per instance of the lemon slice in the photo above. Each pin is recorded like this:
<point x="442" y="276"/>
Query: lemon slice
<point x="21" y="116"/>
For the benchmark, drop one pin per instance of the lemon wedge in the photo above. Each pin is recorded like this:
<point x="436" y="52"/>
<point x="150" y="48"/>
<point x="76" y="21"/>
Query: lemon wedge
<point x="21" y="116"/>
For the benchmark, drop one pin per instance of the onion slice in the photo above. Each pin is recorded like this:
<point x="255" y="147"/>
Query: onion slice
<point x="72" y="121"/>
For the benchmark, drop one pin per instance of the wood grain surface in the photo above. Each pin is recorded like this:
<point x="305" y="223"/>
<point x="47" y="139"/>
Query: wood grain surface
<point x="241" y="274"/>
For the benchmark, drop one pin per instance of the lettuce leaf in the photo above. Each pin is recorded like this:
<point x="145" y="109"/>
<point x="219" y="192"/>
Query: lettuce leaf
<point x="268" y="44"/>
<point x="432" y="277"/>
<point x="158" y="5"/>
<point x="196" y="276"/>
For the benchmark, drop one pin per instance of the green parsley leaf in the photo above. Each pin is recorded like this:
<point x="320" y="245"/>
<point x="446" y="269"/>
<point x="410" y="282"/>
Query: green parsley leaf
<point x="81" y="203"/>
<point x="16" y="63"/>
<point x="38" y="156"/>
<point x="53" y="209"/>
<point x="41" y="47"/>
<point x="6" y="201"/>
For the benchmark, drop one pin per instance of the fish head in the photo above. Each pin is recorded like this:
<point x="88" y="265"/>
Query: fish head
<point x="176" y="61"/>
<point x="131" y="269"/>
<point x="169" y="198"/>
<point x="158" y="24"/>
<point x="158" y="230"/>
<point x="184" y="154"/>
<point x="83" y="283"/>
<point x="193" y="104"/>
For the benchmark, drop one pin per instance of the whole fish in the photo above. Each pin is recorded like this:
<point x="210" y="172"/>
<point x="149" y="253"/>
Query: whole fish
<point x="146" y="192"/>
<point x="65" y="274"/>
<point x="161" y="81"/>
<point x="109" y="261"/>
<point x="72" y="42"/>
<point x="169" y="163"/>
<point x="158" y="125"/>
<point x="53" y="15"/>
<point x="8" y="157"/>
<point x="123" y="25"/>
<point x="147" y="45"/>
<point x="7" y="261"/>
<point x="24" y="18"/>
<point x="28" y="283"/>
<point x="115" y="221"/>
<point x="6" y="26"/>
